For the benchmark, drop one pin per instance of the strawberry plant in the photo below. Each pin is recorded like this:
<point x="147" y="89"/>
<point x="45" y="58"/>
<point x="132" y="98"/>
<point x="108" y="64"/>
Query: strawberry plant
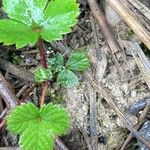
<point x="65" y="76"/>
<point x="31" y="22"/>
<point x="38" y="127"/>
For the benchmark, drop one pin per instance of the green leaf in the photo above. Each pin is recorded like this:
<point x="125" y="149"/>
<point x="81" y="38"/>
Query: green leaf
<point x="60" y="15"/>
<point x="37" y="137"/>
<point x="56" y="60"/>
<point x="22" y="117"/>
<point x="25" y="11"/>
<point x="56" y="117"/>
<point x="67" y="78"/>
<point x="14" y="32"/>
<point x="31" y="19"/>
<point x="56" y="63"/>
<point x="42" y="74"/>
<point x="78" y="62"/>
<point x="38" y="127"/>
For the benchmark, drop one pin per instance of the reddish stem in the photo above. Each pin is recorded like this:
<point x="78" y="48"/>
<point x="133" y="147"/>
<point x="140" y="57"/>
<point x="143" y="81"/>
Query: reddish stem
<point x="2" y="123"/>
<point x="45" y="65"/>
<point x="42" y="53"/>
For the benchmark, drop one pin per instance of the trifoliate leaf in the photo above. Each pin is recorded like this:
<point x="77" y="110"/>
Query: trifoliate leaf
<point x="67" y="78"/>
<point x="37" y="137"/>
<point x="42" y="74"/>
<point x="78" y="62"/>
<point x="22" y="117"/>
<point x="38" y="127"/>
<point x="31" y="19"/>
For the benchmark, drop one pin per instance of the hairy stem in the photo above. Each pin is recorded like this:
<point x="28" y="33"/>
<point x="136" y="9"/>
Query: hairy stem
<point x="43" y="62"/>
<point x="41" y="47"/>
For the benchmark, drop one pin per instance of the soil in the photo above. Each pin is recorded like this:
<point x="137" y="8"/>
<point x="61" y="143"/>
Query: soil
<point x="125" y="83"/>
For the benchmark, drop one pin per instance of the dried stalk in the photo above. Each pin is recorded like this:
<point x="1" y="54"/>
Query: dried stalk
<point x="17" y="71"/>
<point x="130" y="19"/>
<point x="7" y="94"/>
<point x="141" y="7"/>
<point x="105" y="27"/>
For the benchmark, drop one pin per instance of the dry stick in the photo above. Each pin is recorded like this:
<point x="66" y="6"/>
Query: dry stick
<point x="93" y="116"/>
<point x="6" y="93"/>
<point x="140" y="59"/>
<point x="60" y="144"/>
<point x="20" y="73"/>
<point x="87" y="140"/>
<point x="100" y="16"/>
<point x="106" y="29"/>
<point x="137" y="126"/>
<point x="141" y="7"/>
<point x="130" y="19"/>
<point x="111" y="102"/>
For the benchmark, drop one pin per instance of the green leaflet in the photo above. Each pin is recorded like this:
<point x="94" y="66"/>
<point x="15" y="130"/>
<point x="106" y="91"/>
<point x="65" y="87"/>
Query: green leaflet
<point x="56" y="60"/>
<point x="42" y="74"/>
<point x="38" y="126"/>
<point x="67" y="78"/>
<point x="22" y="117"/>
<point x="78" y="62"/>
<point x="32" y="19"/>
<point x="25" y="11"/>
<point x="14" y="32"/>
<point x="37" y="137"/>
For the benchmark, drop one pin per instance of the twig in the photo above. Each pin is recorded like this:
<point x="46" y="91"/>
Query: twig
<point x="6" y="93"/>
<point x="141" y="7"/>
<point x="3" y="113"/>
<point x="140" y="59"/>
<point x="60" y="144"/>
<point x="87" y="140"/>
<point x="93" y="116"/>
<point x="137" y="126"/>
<point x="114" y="46"/>
<point x="23" y="89"/>
<point x="106" y="29"/>
<point x="9" y="148"/>
<point x="44" y="92"/>
<point x="17" y="71"/>
<point x="27" y="93"/>
<point x="2" y="123"/>
<point x="130" y="19"/>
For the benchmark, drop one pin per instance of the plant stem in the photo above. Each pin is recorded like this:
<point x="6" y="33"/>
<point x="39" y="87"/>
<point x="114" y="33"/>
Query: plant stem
<point x="41" y="47"/>
<point x="43" y="62"/>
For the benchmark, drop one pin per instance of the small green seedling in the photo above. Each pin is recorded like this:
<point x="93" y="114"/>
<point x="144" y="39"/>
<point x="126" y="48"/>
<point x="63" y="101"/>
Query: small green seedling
<point x="28" y="22"/>
<point x="65" y="76"/>
<point x="38" y="127"/>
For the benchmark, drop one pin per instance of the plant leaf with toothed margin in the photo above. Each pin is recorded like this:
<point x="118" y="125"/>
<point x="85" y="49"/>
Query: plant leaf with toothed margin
<point x="22" y="117"/>
<point x="31" y="19"/>
<point x="78" y="62"/>
<point x="67" y="78"/>
<point x="38" y="127"/>
<point x="42" y="74"/>
<point x="14" y="32"/>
